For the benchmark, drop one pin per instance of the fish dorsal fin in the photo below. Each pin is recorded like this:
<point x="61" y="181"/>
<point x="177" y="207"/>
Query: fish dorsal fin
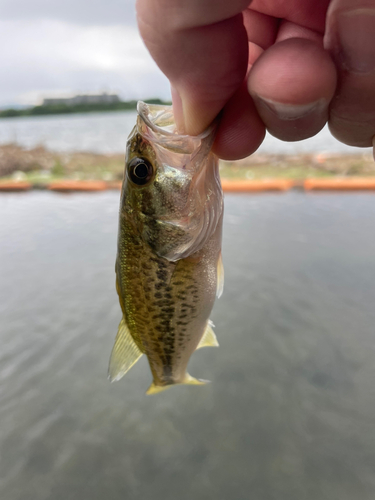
<point x="209" y="338"/>
<point x="220" y="277"/>
<point x="125" y="353"/>
<point x="188" y="380"/>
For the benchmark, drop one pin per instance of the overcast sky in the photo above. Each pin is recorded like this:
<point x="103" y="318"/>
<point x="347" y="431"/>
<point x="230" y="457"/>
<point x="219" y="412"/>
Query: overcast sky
<point x="61" y="47"/>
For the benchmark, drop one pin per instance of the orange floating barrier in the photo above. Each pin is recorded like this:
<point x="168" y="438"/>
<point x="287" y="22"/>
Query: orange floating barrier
<point x="10" y="186"/>
<point x="114" y="185"/>
<point x="340" y="184"/>
<point x="70" y="185"/>
<point x="248" y="186"/>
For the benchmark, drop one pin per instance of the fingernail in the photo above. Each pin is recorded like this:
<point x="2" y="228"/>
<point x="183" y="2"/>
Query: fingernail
<point x="356" y="34"/>
<point x="291" y="111"/>
<point x="178" y="111"/>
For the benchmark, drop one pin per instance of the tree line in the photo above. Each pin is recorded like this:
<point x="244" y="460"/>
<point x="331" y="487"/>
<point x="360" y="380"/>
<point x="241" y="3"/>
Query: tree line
<point x="57" y="109"/>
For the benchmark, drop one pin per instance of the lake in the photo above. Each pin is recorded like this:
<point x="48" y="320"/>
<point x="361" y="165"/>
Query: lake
<point x="290" y="412"/>
<point x="107" y="133"/>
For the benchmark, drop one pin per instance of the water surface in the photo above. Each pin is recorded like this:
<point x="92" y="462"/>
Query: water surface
<point x="290" y="412"/>
<point x="107" y="133"/>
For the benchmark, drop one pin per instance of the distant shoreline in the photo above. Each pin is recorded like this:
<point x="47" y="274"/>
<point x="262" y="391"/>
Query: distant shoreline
<point x="42" y="166"/>
<point x="64" y="109"/>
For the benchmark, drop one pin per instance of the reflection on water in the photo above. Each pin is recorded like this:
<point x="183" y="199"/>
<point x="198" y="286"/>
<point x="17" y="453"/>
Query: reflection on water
<point x="290" y="413"/>
<point x="107" y="132"/>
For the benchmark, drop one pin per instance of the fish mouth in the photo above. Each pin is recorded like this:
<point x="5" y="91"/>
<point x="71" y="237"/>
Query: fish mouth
<point x="157" y="124"/>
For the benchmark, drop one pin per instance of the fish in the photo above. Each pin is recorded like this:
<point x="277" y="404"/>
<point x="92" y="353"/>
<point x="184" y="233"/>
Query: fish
<point x="169" y="265"/>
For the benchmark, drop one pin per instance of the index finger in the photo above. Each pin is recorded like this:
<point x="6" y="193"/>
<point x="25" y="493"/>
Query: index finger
<point x="350" y="37"/>
<point x="202" y="48"/>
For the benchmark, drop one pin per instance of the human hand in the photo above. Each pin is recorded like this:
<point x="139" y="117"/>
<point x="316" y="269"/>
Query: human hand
<point x="285" y="65"/>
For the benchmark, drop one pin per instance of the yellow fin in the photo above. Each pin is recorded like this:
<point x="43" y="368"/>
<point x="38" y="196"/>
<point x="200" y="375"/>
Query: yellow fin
<point x="155" y="389"/>
<point x="119" y="291"/>
<point x="125" y="353"/>
<point x="209" y="338"/>
<point x="188" y="380"/>
<point x="219" y="277"/>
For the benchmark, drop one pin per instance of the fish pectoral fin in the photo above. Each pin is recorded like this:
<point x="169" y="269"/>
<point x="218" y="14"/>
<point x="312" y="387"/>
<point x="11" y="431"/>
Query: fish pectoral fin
<point x="219" y="277"/>
<point x="209" y="338"/>
<point x="125" y="353"/>
<point x="188" y="380"/>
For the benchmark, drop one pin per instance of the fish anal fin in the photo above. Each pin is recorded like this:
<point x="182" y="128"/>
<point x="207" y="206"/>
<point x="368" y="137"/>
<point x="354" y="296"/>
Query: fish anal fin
<point x="219" y="277"/>
<point x="209" y="338"/>
<point x="125" y="353"/>
<point x="119" y="291"/>
<point x="188" y="380"/>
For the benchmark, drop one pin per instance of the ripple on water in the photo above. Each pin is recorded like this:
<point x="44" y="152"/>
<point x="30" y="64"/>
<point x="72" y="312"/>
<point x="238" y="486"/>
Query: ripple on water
<point x="290" y="412"/>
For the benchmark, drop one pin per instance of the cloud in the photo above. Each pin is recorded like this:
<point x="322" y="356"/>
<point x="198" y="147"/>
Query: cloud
<point x="83" y="12"/>
<point x="48" y="57"/>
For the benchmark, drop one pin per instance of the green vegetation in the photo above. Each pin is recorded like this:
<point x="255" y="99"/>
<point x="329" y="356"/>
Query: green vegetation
<point x="58" y="109"/>
<point x="265" y="171"/>
<point x="41" y="166"/>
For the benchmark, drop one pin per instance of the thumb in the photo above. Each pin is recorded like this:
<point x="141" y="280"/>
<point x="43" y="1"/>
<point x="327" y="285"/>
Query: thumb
<point x="202" y="49"/>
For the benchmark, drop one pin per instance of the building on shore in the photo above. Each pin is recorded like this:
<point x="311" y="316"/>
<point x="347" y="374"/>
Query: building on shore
<point x="83" y="99"/>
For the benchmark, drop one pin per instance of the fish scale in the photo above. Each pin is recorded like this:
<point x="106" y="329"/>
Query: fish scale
<point x="168" y="266"/>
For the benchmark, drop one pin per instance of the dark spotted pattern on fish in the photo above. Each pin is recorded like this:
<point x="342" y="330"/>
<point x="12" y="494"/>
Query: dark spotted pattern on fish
<point x="168" y="247"/>
<point x="163" y="303"/>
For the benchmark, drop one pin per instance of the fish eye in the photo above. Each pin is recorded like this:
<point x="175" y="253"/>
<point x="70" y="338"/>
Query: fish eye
<point x="140" y="171"/>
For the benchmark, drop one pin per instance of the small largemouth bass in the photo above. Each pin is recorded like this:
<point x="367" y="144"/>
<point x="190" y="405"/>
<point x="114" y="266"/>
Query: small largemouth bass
<point x="168" y="267"/>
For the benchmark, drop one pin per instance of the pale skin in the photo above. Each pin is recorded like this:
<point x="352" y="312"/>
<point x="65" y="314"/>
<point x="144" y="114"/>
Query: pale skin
<point x="288" y="66"/>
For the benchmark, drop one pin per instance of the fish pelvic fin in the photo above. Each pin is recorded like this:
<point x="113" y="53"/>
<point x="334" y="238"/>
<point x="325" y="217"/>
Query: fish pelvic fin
<point x="209" y="338"/>
<point x="125" y="353"/>
<point x="188" y="380"/>
<point x="219" y="277"/>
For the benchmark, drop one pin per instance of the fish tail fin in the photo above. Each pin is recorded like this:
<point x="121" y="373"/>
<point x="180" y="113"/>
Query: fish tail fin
<point x="155" y="389"/>
<point x="188" y="380"/>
